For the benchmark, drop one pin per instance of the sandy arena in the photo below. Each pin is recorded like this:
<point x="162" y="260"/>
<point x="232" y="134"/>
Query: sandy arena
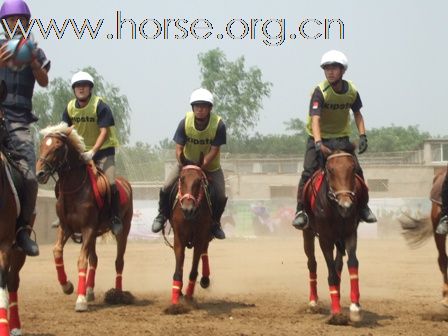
<point x="259" y="287"/>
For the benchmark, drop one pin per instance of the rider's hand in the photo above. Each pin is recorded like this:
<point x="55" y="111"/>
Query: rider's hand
<point x="320" y="147"/>
<point x="362" y="143"/>
<point x="88" y="156"/>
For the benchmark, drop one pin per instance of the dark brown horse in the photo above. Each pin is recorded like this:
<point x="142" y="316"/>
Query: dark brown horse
<point x="418" y="230"/>
<point x="333" y="198"/>
<point x="11" y="259"/>
<point x="191" y="221"/>
<point x="79" y="211"/>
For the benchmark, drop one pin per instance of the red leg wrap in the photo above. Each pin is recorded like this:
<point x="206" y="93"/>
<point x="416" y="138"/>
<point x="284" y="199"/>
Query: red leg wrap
<point x="354" y="285"/>
<point x="119" y="282"/>
<point x="4" y="327"/>
<point x="62" y="277"/>
<point x="82" y="281"/>
<point x="14" y="320"/>
<point x="91" y="278"/>
<point x="176" y="292"/>
<point x="335" y="302"/>
<point x="313" y="287"/>
<point x="190" y="288"/>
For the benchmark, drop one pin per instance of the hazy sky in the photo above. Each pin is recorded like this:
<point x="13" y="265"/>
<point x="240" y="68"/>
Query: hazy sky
<point x="395" y="51"/>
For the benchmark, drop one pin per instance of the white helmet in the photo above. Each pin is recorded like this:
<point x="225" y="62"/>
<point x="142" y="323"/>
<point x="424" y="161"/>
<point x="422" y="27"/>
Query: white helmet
<point x="201" y="96"/>
<point x="334" y="57"/>
<point x="81" y="76"/>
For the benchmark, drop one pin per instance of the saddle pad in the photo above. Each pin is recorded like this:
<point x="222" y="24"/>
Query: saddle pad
<point x="436" y="190"/>
<point x="315" y="182"/>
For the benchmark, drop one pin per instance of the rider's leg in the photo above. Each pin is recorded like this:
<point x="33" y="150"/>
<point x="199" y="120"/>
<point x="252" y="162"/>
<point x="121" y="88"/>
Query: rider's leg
<point x="21" y="142"/>
<point x="217" y="178"/>
<point x="442" y="227"/>
<point x="107" y="164"/>
<point x="164" y="199"/>
<point x="365" y="213"/>
<point x="310" y="165"/>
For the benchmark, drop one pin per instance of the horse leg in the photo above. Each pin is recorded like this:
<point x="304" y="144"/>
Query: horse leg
<point x="17" y="262"/>
<point x="442" y="260"/>
<point x="179" y="251"/>
<point x="327" y="247"/>
<point x="58" y="253"/>
<point x="122" y="241"/>
<point x="93" y="263"/>
<point x="308" y="245"/>
<point x="339" y="265"/>
<point x="198" y="250"/>
<point x="352" y="264"/>
<point x="205" y="279"/>
<point x="4" y="266"/>
<point x="88" y="240"/>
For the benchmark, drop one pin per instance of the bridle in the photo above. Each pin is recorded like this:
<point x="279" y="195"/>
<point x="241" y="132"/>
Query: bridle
<point x="187" y="196"/>
<point x="332" y="194"/>
<point x="52" y="169"/>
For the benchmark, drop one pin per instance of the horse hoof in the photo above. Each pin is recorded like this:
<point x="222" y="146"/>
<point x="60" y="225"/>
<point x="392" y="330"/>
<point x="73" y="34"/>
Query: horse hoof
<point x="67" y="288"/>
<point x="444" y="302"/>
<point x="90" y="296"/>
<point x="338" y="319"/>
<point x="312" y="304"/>
<point x="15" y="332"/>
<point x="205" y="282"/>
<point x="355" y="312"/>
<point x="81" y="304"/>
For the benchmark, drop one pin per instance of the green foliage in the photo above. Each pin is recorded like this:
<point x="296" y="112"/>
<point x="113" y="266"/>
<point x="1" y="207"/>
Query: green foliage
<point x="238" y="91"/>
<point x="50" y="104"/>
<point x="395" y="138"/>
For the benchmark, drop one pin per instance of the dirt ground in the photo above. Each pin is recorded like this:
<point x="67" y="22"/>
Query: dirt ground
<point x="258" y="287"/>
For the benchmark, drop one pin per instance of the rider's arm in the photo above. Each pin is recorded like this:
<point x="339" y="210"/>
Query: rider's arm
<point x="315" y="110"/>
<point x="359" y="120"/>
<point x="315" y="127"/>
<point x="214" y="151"/>
<point x="40" y="67"/>
<point x="101" y="139"/>
<point x="179" y="151"/>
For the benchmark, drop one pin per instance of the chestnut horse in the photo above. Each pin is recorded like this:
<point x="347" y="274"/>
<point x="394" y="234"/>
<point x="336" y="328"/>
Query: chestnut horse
<point x="191" y="221"/>
<point x="418" y="230"/>
<point x="11" y="259"/>
<point x="332" y="199"/>
<point x="79" y="210"/>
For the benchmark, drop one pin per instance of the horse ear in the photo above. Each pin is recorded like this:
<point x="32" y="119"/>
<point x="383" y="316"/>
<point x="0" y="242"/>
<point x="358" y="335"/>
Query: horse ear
<point x="201" y="159"/>
<point x="3" y="91"/>
<point x="69" y="130"/>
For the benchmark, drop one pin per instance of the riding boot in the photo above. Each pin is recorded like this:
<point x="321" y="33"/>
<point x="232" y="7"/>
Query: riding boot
<point x="116" y="224"/>
<point x="300" y="221"/>
<point x="366" y="215"/>
<point x="159" y="222"/>
<point x="217" y="231"/>
<point x="23" y="240"/>
<point x="442" y="227"/>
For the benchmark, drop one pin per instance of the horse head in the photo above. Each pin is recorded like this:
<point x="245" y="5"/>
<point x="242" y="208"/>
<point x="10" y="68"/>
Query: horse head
<point x="341" y="179"/>
<point x="191" y="186"/>
<point x="59" y="146"/>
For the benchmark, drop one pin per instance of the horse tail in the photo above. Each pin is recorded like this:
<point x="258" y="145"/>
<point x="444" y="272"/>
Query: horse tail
<point x="416" y="231"/>
<point x="340" y="246"/>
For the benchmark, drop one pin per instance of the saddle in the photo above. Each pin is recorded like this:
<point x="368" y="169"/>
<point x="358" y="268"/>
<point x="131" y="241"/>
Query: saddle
<point x="436" y="190"/>
<point x="101" y="187"/>
<point x="14" y="178"/>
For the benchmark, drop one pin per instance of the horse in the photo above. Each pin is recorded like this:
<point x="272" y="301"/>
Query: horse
<point x="418" y="230"/>
<point x="332" y="199"/>
<point x="81" y="208"/>
<point x="191" y="220"/>
<point x="11" y="259"/>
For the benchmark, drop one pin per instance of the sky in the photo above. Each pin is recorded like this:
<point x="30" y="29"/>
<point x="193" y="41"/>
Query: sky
<point x="394" y="49"/>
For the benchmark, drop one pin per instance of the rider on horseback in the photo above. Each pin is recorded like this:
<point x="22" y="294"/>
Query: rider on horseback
<point x="199" y="132"/>
<point x="94" y="121"/>
<point x="328" y="127"/>
<point x="18" y="112"/>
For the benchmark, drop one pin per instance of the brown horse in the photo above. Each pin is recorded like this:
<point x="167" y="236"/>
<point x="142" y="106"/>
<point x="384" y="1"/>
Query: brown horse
<point x="11" y="259"/>
<point x="332" y="199"/>
<point x="419" y="230"/>
<point x="79" y="210"/>
<point x="191" y="221"/>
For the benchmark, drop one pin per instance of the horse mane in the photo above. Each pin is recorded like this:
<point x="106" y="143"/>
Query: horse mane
<point x="75" y="139"/>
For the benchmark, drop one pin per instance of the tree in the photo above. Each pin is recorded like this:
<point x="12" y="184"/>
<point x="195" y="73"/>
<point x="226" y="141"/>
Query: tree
<point x="49" y="105"/>
<point x="238" y="91"/>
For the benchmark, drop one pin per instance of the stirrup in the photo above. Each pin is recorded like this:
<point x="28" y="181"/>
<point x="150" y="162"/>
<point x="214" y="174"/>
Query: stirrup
<point x="33" y="250"/>
<point x="442" y="227"/>
<point x="303" y="216"/>
<point x="116" y="225"/>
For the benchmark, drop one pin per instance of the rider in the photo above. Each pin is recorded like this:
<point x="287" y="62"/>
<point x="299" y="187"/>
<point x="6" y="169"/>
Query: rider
<point x="19" y="116"/>
<point x="442" y="227"/>
<point x="94" y="121"/>
<point x="199" y="132"/>
<point x="328" y="127"/>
